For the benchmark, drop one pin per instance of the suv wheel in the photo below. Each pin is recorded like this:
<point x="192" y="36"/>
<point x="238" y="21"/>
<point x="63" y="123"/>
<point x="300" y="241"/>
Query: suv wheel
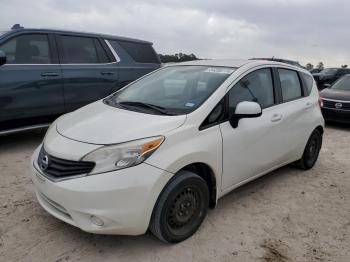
<point x="311" y="151"/>
<point x="181" y="208"/>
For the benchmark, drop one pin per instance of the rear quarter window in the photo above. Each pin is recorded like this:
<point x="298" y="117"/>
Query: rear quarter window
<point x="139" y="52"/>
<point x="308" y="82"/>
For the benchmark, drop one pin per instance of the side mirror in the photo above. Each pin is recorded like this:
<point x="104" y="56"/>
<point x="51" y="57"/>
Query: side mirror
<point x="245" y="109"/>
<point x="327" y="85"/>
<point x="2" y="58"/>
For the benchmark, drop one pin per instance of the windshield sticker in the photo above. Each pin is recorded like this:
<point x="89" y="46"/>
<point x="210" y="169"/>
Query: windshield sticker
<point x="189" y="104"/>
<point x="219" y="70"/>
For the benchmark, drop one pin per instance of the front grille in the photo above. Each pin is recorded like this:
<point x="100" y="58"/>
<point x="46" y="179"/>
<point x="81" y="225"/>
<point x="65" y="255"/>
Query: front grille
<point x="60" y="168"/>
<point x="332" y="104"/>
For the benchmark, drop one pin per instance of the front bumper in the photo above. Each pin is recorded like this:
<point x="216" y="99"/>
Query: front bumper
<point x="123" y="200"/>
<point x="336" y="115"/>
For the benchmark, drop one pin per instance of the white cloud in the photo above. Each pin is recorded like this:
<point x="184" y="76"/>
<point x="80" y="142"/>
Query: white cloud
<point x="308" y="31"/>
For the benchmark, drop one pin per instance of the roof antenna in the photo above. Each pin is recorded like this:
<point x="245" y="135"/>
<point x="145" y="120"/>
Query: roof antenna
<point x="16" y="26"/>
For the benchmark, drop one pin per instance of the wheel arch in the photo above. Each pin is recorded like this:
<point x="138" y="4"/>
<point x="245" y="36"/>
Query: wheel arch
<point x="320" y="129"/>
<point x="207" y="174"/>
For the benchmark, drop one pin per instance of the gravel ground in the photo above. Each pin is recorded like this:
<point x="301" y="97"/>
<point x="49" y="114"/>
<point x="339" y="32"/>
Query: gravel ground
<point x="288" y="215"/>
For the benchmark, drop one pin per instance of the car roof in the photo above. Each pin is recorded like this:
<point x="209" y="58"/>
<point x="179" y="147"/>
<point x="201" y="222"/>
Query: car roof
<point x="234" y="63"/>
<point x="62" y="31"/>
<point x="274" y="59"/>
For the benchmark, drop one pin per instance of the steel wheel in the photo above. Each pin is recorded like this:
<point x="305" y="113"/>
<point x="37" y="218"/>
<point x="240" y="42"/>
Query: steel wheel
<point x="181" y="208"/>
<point x="311" y="151"/>
<point x="184" y="211"/>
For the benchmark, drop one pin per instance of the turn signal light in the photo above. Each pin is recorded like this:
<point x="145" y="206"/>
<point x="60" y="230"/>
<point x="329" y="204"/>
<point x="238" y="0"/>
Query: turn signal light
<point x="320" y="101"/>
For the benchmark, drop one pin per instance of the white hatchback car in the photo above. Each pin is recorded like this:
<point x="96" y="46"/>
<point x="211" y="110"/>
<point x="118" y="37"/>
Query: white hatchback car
<point x="159" y="152"/>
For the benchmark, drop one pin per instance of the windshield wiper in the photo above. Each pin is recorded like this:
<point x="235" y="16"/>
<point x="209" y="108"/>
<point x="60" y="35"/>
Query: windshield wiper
<point x="159" y="109"/>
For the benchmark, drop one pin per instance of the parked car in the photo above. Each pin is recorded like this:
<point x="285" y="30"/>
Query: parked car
<point x="328" y="76"/>
<point x="315" y="70"/>
<point x="336" y="101"/>
<point x="159" y="152"/>
<point x="46" y="73"/>
<point x="287" y="61"/>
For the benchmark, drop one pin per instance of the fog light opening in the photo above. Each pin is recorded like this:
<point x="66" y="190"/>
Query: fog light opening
<point x="97" y="221"/>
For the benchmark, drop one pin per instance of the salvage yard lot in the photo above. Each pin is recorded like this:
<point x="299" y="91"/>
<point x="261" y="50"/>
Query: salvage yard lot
<point x="288" y="215"/>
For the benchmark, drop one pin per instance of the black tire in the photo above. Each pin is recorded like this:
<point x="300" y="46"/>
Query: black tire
<point x="311" y="151"/>
<point x="181" y="208"/>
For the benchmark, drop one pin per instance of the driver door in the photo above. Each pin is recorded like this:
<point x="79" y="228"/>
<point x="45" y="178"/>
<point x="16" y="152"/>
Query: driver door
<point x="252" y="147"/>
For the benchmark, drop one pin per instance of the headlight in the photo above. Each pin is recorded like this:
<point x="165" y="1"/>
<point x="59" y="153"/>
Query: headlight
<point x="109" y="158"/>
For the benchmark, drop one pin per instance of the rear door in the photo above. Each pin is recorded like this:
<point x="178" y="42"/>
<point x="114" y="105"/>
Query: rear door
<point x="89" y="72"/>
<point x="297" y="122"/>
<point x="30" y="81"/>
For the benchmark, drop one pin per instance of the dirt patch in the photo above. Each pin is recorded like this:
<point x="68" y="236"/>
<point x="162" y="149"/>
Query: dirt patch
<point x="275" y="251"/>
<point x="288" y="215"/>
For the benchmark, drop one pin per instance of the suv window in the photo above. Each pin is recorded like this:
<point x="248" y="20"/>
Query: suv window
<point x="290" y="84"/>
<point x="82" y="50"/>
<point x="27" y="49"/>
<point x="308" y="82"/>
<point x="256" y="87"/>
<point x="141" y="53"/>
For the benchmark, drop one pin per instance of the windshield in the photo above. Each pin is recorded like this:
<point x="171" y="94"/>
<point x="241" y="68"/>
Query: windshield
<point x="172" y="90"/>
<point x="329" y="71"/>
<point x="342" y="84"/>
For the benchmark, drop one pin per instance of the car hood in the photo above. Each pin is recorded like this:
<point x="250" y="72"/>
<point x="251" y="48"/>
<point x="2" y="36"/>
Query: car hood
<point x="101" y="124"/>
<point x="336" y="94"/>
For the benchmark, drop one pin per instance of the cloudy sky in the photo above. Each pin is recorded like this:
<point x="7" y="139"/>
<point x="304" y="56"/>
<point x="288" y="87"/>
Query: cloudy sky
<point x="304" y="30"/>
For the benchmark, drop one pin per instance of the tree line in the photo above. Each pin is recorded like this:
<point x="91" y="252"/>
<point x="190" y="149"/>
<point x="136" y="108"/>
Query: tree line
<point x="180" y="57"/>
<point x="320" y="66"/>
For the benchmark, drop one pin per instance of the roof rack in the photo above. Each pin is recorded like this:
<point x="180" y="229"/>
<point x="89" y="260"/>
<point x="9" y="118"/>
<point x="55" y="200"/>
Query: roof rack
<point x="16" y="26"/>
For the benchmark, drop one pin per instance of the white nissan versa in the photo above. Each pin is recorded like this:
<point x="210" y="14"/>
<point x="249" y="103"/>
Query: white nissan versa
<point x="161" y="151"/>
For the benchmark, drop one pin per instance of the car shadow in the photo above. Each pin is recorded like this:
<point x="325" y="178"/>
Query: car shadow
<point x="339" y="126"/>
<point x="22" y="140"/>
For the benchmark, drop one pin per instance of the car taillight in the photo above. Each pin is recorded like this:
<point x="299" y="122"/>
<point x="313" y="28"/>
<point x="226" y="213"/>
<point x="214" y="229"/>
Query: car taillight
<point x="320" y="101"/>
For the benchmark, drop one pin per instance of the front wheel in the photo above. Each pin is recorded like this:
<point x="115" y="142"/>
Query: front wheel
<point x="181" y="208"/>
<point x="311" y="151"/>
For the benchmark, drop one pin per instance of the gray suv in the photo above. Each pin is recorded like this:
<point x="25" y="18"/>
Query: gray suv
<point x="46" y="73"/>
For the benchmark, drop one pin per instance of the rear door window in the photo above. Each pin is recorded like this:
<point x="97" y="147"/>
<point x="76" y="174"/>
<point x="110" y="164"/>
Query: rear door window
<point x="27" y="49"/>
<point x="141" y="53"/>
<point x="82" y="50"/>
<point x="290" y="84"/>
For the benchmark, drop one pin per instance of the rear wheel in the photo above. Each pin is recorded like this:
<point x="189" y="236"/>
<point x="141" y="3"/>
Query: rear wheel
<point x="311" y="151"/>
<point x="181" y="208"/>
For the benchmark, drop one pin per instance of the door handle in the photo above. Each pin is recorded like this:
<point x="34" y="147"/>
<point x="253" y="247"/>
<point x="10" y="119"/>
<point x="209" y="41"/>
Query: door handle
<point x="49" y="74"/>
<point x="276" y="117"/>
<point x="107" y="73"/>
